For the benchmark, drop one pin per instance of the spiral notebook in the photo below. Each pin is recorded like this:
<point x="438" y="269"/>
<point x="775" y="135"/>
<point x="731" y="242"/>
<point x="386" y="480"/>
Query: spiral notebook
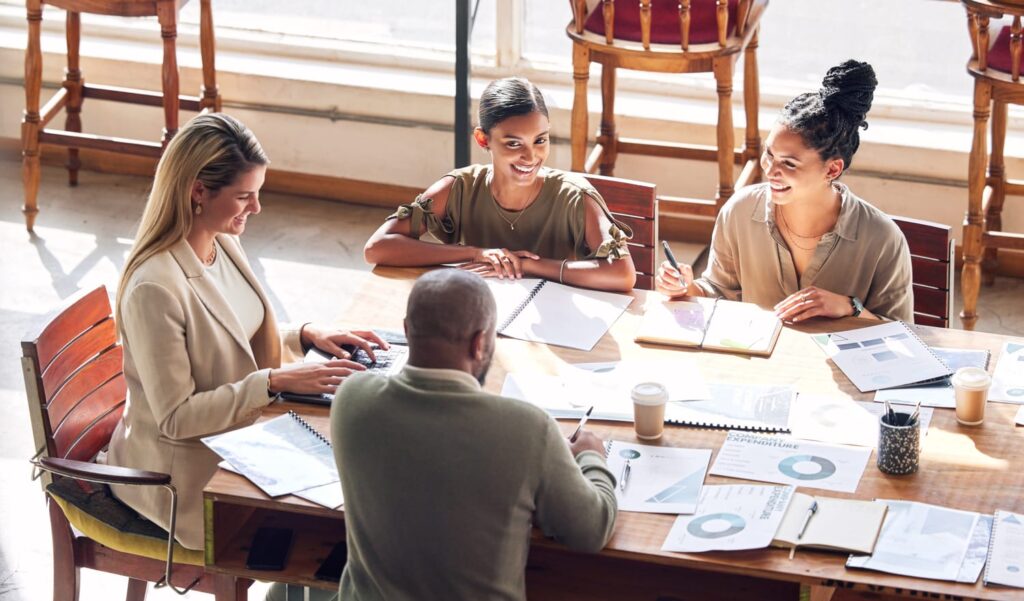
<point x="282" y="455"/>
<point x="1006" y="550"/>
<point x="552" y="313"/>
<point x="884" y="356"/>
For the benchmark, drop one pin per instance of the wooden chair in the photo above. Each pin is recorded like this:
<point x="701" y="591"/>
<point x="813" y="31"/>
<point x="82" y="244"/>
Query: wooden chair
<point x="932" y="257"/>
<point x="74" y="91"/>
<point x="76" y="393"/>
<point x="635" y="204"/>
<point x="996" y="68"/>
<point x="668" y="36"/>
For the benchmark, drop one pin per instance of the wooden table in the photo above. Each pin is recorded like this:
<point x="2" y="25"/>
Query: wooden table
<point x="971" y="468"/>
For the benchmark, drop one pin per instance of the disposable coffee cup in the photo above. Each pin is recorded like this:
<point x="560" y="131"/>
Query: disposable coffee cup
<point x="649" y="400"/>
<point x="971" y="384"/>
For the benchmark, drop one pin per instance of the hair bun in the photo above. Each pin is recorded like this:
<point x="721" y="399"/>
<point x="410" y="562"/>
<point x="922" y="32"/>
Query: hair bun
<point x="849" y="88"/>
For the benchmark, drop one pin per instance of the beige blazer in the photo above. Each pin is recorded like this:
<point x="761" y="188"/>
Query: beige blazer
<point x="191" y="373"/>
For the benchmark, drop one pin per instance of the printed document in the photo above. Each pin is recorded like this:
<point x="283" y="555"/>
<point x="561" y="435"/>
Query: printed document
<point x="883" y="356"/>
<point x="1006" y="558"/>
<point x="731" y="517"/>
<point x="842" y="420"/>
<point x="786" y="460"/>
<point x="920" y="540"/>
<point x="1008" y="379"/>
<point x="281" y="456"/>
<point x="657" y="479"/>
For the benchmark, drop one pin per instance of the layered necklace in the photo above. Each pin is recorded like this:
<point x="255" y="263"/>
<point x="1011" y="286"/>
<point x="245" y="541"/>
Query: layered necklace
<point x="794" y="235"/>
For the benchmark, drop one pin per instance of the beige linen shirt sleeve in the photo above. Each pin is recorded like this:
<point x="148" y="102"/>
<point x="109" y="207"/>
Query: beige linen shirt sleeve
<point x="721" y="278"/>
<point x="892" y="289"/>
<point x="154" y="330"/>
<point x="576" y="501"/>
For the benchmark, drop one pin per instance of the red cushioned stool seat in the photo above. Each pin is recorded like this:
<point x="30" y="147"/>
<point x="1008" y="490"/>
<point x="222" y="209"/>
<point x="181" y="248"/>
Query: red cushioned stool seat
<point x="664" y="21"/>
<point x="999" y="55"/>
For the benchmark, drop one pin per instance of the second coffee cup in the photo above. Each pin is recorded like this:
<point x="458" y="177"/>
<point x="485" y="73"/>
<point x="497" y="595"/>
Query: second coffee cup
<point x="971" y="384"/>
<point x="649" y="399"/>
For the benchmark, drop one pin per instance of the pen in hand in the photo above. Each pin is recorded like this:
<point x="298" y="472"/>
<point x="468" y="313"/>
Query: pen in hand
<point x="583" y="422"/>
<point x="672" y="261"/>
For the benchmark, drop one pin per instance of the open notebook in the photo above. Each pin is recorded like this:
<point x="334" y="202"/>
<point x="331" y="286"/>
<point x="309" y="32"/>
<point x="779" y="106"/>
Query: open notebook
<point x="848" y="525"/>
<point x="711" y="324"/>
<point x="552" y="313"/>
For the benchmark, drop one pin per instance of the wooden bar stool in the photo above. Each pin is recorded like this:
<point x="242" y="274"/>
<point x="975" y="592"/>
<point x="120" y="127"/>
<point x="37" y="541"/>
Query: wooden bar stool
<point x="996" y="68"/>
<point x="668" y="36"/>
<point x="74" y="91"/>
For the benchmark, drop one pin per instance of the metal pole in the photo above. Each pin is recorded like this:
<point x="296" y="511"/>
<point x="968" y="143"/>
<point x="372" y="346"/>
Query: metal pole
<point x="463" y="27"/>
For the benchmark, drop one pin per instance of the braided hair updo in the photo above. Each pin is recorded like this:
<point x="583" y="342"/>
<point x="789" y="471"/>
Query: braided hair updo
<point x="828" y="120"/>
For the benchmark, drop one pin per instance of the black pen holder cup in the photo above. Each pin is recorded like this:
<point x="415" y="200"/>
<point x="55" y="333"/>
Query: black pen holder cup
<point x="899" y="446"/>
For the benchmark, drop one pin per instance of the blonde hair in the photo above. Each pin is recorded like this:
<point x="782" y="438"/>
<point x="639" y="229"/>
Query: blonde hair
<point x="213" y="149"/>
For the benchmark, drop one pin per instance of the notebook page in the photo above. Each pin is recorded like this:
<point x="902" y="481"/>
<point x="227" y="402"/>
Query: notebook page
<point x="742" y="327"/>
<point x="1006" y="556"/>
<point x="679" y="323"/>
<point x="567" y="316"/>
<point x="510" y="294"/>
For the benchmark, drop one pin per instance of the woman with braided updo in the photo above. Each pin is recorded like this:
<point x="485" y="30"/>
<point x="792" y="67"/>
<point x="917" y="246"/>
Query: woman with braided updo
<point x="802" y="242"/>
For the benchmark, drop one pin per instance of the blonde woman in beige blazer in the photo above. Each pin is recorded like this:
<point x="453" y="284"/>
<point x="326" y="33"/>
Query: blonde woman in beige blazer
<point x="203" y="352"/>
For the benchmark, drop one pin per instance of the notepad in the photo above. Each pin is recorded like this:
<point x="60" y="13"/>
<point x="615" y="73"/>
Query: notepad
<point x="1006" y="550"/>
<point x="551" y="313"/>
<point x="883" y="356"/>
<point x="711" y="324"/>
<point x="847" y="525"/>
<point x="281" y="456"/>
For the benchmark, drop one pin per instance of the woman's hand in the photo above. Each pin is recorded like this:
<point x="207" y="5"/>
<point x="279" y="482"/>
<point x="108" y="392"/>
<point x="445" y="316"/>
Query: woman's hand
<point x="330" y="341"/>
<point x="813" y="302"/>
<point x="499" y="263"/>
<point x="311" y="378"/>
<point x="674" y="283"/>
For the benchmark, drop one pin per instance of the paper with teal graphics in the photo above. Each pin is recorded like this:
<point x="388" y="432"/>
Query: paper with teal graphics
<point x="658" y="479"/>
<point x="1008" y="379"/>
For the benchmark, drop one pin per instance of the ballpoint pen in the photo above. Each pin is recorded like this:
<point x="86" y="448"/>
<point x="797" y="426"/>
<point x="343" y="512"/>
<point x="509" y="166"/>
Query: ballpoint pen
<point x="889" y="414"/>
<point x="624" y="477"/>
<point x="913" y="416"/>
<point x="813" y="509"/>
<point x="672" y="260"/>
<point x="583" y="422"/>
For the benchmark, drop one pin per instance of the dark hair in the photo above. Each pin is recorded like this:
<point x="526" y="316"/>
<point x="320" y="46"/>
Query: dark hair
<point x="509" y="97"/>
<point x="828" y="120"/>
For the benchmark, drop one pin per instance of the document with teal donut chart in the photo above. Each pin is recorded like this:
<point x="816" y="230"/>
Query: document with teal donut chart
<point x="786" y="460"/>
<point x="731" y="517"/>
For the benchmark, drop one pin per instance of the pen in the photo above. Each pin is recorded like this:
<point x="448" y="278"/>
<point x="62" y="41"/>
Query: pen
<point x="672" y="260"/>
<point x="889" y="415"/>
<point x="913" y="416"/>
<point x="813" y="509"/>
<point x="624" y="478"/>
<point x="583" y="422"/>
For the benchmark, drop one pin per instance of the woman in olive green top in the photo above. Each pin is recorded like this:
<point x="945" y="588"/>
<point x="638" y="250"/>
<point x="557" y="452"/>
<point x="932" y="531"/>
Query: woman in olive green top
<point x="803" y="243"/>
<point x="515" y="217"/>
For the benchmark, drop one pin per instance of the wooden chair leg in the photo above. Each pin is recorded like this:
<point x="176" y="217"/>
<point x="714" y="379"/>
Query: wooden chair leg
<point x="73" y="85"/>
<point x="607" y="138"/>
<point x="974" y="221"/>
<point x="751" y="98"/>
<point x="167" y="15"/>
<point x="136" y="590"/>
<point x="65" y="572"/>
<point x="726" y="135"/>
<point x="580" y="75"/>
<point x="229" y="588"/>
<point x="210" y="94"/>
<point x="996" y="179"/>
<point x="30" y="123"/>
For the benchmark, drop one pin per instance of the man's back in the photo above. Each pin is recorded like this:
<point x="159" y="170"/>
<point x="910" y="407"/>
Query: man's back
<point x="443" y="482"/>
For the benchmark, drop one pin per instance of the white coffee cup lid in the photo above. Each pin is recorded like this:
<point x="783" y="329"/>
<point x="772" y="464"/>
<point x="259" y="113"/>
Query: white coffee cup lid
<point x="971" y="377"/>
<point x="649" y="393"/>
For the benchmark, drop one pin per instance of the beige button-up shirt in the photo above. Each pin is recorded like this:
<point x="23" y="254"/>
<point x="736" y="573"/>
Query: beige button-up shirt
<point x="865" y="255"/>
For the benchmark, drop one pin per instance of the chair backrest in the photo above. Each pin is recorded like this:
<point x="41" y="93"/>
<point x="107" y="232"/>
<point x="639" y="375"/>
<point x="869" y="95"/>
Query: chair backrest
<point x="1005" y="54"/>
<point x="932" y="256"/>
<point x="636" y="205"/>
<point x="681" y="9"/>
<point x="74" y="378"/>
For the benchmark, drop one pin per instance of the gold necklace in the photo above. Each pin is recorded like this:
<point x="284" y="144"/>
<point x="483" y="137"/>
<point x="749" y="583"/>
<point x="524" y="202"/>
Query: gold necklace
<point x="511" y="222"/>
<point x="782" y="218"/>
<point x="212" y="257"/>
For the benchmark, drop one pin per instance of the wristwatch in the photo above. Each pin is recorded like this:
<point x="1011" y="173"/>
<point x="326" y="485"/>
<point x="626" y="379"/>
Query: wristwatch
<point x="857" y="305"/>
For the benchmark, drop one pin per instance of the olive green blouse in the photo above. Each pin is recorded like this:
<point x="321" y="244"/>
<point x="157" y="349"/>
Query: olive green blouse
<point x="553" y="226"/>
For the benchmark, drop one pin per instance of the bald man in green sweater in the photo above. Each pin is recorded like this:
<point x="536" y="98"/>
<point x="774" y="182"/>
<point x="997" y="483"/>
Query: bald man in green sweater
<point x="444" y="481"/>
